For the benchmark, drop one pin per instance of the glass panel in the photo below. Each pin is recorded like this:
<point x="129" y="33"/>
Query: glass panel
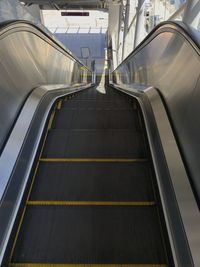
<point x="85" y="52"/>
<point x="83" y="30"/>
<point x="72" y="30"/>
<point x="156" y="11"/>
<point x="52" y="30"/>
<point x="103" y="30"/>
<point x="132" y="13"/>
<point x="179" y="15"/>
<point x="129" y="41"/>
<point x="95" y="30"/>
<point x="61" y="30"/>
<point x="152" y="12"/>
<point x="120" y="54"/>
<point x="192" y="14"/>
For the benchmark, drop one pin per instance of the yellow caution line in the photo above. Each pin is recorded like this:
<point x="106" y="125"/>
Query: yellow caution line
<point x="82" y="265"/>
<point x="51" y="120"/>
<point x="59" y="104"/>
<point x="30" y="189"/>
<point x="92" y="160"/>
<point x="89" y="203"/>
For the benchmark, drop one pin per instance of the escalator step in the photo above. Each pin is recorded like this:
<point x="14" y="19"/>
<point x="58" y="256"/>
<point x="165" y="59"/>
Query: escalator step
<point x="93" y="181"/>
<point x="96" y="119"/>
<point x="104" y="104"/>
<point x="94" y="144"/>
<point x="89" y="235"/>
<point x="84" y="265"/>
<point x="94" y="160"/>
<point x="92" y="203"/>
<point x="94" y="94"/>
<point x="89" y="203"/>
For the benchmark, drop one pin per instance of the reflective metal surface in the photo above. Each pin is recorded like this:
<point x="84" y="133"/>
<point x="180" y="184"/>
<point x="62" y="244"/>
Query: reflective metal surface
<point x="70" y="4"/>
<point x="169" y="61"/>
<point x="182" y="223"/>
<point x="15" y="165"/>
<point x="28" y="59"/>
<point x="13" y="9"/>
<point x="186" y="201"/>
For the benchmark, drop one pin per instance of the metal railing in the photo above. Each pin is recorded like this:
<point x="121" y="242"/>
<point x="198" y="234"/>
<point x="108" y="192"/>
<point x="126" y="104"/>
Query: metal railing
<point x="77" y="30"/>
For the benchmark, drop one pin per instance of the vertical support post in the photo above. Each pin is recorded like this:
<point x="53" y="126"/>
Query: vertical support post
<point x="126" y="24"/>
<point x="118" y="35"/>
<point x="114" y="29"/>
<point x="138" y="22"/>
<point x="192" y="15"/>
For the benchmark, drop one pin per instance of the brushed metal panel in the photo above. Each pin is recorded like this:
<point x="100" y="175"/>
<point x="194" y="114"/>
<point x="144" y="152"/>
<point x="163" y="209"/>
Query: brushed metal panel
<point x="168" y="60"/>
<point x="187" y="253"/>
<point x="28" y="59"/>
<point x="19" y="153"/>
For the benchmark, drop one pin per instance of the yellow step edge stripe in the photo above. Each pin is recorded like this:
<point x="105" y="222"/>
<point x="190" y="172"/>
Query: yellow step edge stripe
<point x="51" y="120"/>
<point x="82" y="265"/>
<point x="90" y="203"/>
<point x="59" y="104"/>
<point x="92" y="160"/>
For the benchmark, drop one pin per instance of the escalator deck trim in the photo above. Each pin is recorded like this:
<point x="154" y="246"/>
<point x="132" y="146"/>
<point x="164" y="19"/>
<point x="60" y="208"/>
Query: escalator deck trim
<point x="82" y="265"/>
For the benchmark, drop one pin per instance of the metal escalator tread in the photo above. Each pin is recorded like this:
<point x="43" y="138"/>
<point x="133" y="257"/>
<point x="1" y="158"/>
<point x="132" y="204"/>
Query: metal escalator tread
<point x="95" y="119"/>
<point x="92" y="200"/>
<point x="95" y="104"/>
<point x="68" y="234"/>
<point x="95" y="143"/>
<point x="109" y="95"/>
<point x="93" y="181"/>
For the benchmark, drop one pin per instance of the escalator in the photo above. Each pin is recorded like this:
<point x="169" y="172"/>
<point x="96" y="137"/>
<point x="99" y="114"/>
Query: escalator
<point x="93" y="197"/>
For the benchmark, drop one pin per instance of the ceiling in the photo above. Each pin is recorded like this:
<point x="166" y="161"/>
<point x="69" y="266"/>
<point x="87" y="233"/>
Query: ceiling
<point x="68" y="4"/>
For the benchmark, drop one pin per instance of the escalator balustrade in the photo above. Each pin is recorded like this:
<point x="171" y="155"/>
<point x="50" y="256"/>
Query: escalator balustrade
<point x="93" y="198"/>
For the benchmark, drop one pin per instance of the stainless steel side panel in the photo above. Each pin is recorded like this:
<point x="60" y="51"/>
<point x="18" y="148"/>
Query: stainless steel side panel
<point x="169" y="60"/>
<point x="13" y="179"/>
<point x="188" y="210"/>
<point x="35" y="69"/>
<point x="28" y="59"/>
<point x="185" y="198"/>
